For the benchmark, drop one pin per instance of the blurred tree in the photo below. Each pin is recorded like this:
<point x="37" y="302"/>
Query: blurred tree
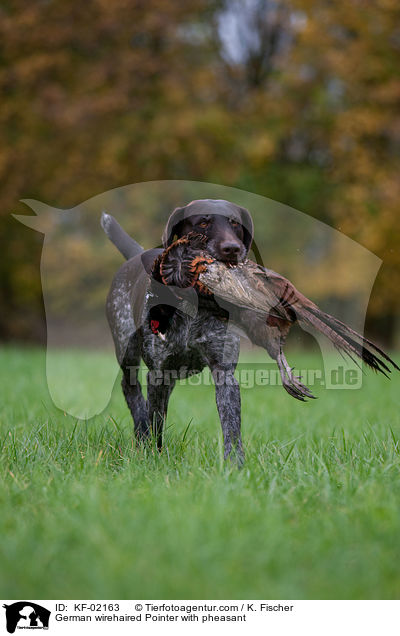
<point x="293" y="99"/>
<point x="350" y="55"/>
<point x="94" y="97"/>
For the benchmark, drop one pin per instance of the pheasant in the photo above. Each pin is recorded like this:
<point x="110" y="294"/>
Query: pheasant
<point x="264" y="304"/>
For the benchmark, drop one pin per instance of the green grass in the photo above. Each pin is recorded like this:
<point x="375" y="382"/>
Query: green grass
<point x="314" y="513"/>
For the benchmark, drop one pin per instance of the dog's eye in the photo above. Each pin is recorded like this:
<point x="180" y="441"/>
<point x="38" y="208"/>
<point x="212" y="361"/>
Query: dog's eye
<point x="204" y="223"/>
<point x="234" y="223"/>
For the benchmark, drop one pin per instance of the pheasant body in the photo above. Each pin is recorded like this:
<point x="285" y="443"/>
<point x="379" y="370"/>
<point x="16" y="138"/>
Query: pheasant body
<point x="266" y="306"/>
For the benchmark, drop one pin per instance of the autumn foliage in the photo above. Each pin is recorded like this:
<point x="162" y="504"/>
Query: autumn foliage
<point x="297" y="101"/>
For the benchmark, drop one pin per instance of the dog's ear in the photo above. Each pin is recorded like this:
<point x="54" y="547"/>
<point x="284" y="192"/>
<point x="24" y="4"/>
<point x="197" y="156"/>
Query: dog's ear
<point x="172" y="227"/>
<point x="248" y="228"/>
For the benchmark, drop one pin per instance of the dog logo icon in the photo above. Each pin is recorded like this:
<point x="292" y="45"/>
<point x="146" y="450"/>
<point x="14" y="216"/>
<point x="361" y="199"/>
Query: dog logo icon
<point x="26" y="615"/>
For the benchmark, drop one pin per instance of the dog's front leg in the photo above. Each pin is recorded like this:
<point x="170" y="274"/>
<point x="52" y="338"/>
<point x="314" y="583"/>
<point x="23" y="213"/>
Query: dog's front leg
<point x="137" y="405"/>
<point x="159" y="389"/>
<point x="227" y="394"/>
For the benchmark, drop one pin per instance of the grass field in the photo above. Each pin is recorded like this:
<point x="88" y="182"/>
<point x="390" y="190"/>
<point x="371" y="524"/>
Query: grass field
<point x="315" y="512"/>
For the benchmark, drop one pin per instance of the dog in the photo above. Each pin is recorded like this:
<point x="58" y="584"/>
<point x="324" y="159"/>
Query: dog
<point x="177" y="335"/>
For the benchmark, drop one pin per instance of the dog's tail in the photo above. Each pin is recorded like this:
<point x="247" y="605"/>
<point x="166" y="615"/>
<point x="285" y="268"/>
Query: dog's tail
<point x="122" y="241"/>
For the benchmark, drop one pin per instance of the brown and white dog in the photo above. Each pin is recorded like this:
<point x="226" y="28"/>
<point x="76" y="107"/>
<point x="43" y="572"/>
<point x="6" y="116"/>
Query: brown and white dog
<point x="177" y="336"/>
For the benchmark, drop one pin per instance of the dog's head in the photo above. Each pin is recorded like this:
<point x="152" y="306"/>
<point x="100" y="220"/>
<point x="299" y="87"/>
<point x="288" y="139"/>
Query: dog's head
<point x="227" y="227"/>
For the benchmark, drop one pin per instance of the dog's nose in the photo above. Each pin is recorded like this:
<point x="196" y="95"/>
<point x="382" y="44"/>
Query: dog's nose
<point x="229" y="249"/>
